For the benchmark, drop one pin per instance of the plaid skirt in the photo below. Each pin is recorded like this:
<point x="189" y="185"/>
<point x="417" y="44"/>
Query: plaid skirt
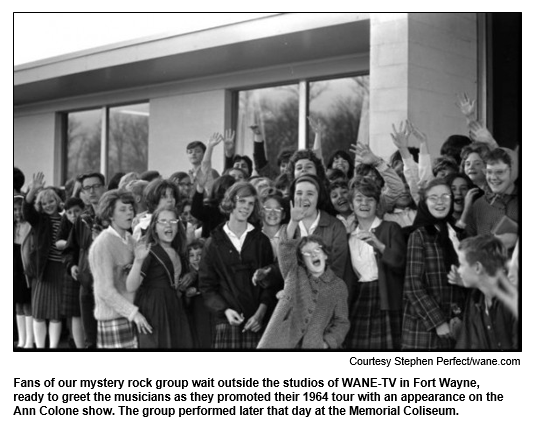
<point x="116" y="333"/>
<point x="47" y="294"/>
<point x="370" y="327"/>
<point x="228" y="337"/>
<point x="70" y="306"/>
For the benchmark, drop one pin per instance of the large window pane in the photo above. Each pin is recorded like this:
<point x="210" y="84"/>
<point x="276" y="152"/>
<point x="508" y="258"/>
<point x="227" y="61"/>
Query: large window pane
<point x="275" y="110"/>
<point x="83" y="142"/>
<point x="128" y="139"/>
<point x="343" y="106"/>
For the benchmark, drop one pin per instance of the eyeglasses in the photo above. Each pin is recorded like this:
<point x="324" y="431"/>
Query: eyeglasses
<point x="168" y="222"/>
<point x="434" y="199"/>
<point x="316" y="250"/>
<point x="92" y="187"/>
<point x="274" y="210"/>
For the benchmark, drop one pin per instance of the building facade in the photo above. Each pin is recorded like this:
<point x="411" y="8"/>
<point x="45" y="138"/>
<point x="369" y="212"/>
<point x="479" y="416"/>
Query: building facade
<point x="136" y="105"/>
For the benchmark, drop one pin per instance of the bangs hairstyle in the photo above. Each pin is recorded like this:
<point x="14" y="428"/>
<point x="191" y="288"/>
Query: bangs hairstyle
<point x="482" y="149"/>
<point x="179" y="243"/>
<point x="451" y="178"/>
<point x="310" y="239"/>
<point x="156" y="189"/>
<point x="486" y="249"/>
<point x="106" y="205"/>
<point x="273" y="193"/>
<point x="345" y="156"/>
<point x="366" y="186"/>
<point x="247" y="161"/>
<point x="196" y="244"/>
<point x="311" y="179"/>
<point x="498" y="155"/>
<point x="87" y="175"/>
<point x="239" y="190"/>
<point x="73" y="201"/>
<point x="363" y="170"/>
<point x="47" y="193"/>
<point x="307" y="154"/>
<point x="196" y="144"/>
<point x="434" y="183"/>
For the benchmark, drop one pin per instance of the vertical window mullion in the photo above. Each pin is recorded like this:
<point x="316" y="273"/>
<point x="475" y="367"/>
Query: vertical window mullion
<point x="303" y="113"/>
<point x="104" y="141"/>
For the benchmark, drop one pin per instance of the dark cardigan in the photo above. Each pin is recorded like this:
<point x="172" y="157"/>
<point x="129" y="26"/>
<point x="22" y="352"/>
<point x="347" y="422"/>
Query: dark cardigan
<point x="41" y="223"/>
<point x="391" y="265"/>
<point x="225" y="275"/>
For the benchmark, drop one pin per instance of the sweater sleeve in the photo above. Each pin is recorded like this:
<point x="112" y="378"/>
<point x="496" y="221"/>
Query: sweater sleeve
<point x="411" y="173"/>
<point x="338" y="328"/>
<point x="102" y="262"/>
<point x="414" y="289"/>
<point x="394" y="186"/>
<point x="286" y="255"/>
<point x="259" y="155"/>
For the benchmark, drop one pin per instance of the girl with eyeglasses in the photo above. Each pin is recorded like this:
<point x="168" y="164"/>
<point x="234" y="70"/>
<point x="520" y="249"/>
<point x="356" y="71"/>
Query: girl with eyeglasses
<point x="159" y="270"/>
<point x="432" y="306"/>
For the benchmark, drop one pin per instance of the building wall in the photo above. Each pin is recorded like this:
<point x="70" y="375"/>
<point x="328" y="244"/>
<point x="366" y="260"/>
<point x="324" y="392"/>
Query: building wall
<point x="419" y="63"/>
<point x="34" y="146"/>
<point x="178" y="120"/>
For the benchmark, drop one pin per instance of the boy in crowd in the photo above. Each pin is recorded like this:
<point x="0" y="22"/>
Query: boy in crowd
<point x="487" y="323"/>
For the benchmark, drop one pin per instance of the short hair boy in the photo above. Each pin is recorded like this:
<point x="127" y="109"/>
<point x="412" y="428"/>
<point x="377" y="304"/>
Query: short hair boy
<point x="487" y="323"/>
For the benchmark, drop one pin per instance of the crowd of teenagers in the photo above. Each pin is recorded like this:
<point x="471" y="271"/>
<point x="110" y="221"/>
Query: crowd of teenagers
<point x="413" y="253"/>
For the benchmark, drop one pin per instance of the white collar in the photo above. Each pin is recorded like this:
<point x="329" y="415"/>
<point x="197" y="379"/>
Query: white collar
<point x="114" y="232"/>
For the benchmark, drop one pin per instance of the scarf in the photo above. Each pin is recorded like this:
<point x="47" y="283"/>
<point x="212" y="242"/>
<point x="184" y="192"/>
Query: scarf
<point x="437" y="227"/>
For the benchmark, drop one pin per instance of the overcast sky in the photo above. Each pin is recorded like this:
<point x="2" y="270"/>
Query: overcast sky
<point x="39" y="36"/>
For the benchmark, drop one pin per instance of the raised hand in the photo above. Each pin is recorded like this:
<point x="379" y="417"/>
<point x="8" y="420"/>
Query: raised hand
<point x="507" y="293"/>
<point x="400" y="137"/>
<point x="316" y="125"/>
<point x="454" y="277"/>
<point x="478" y="133"/>
<point x="38" y="181"/>
<point x="214" y="140"/>
<point x="364" y="154"/>
<point x="230" y="144"/>
<point x="466" y="105"/>
<point x="418" y="134"/>
<point x="470" y="197"/>
<point x="256" y="130"/>
<point x="297" y="212"/>
<point x="142" y="250"/>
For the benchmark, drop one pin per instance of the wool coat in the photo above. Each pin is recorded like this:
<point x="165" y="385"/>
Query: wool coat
<point x="311" y="310"/>
<point x="429" y="299"/>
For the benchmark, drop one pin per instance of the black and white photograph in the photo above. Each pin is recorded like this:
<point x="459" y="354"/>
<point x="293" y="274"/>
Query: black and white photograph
<point x="261" y="194"/>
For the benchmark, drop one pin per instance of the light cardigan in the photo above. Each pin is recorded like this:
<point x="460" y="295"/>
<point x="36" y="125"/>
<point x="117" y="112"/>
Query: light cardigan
<point x="109" y="256"/>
